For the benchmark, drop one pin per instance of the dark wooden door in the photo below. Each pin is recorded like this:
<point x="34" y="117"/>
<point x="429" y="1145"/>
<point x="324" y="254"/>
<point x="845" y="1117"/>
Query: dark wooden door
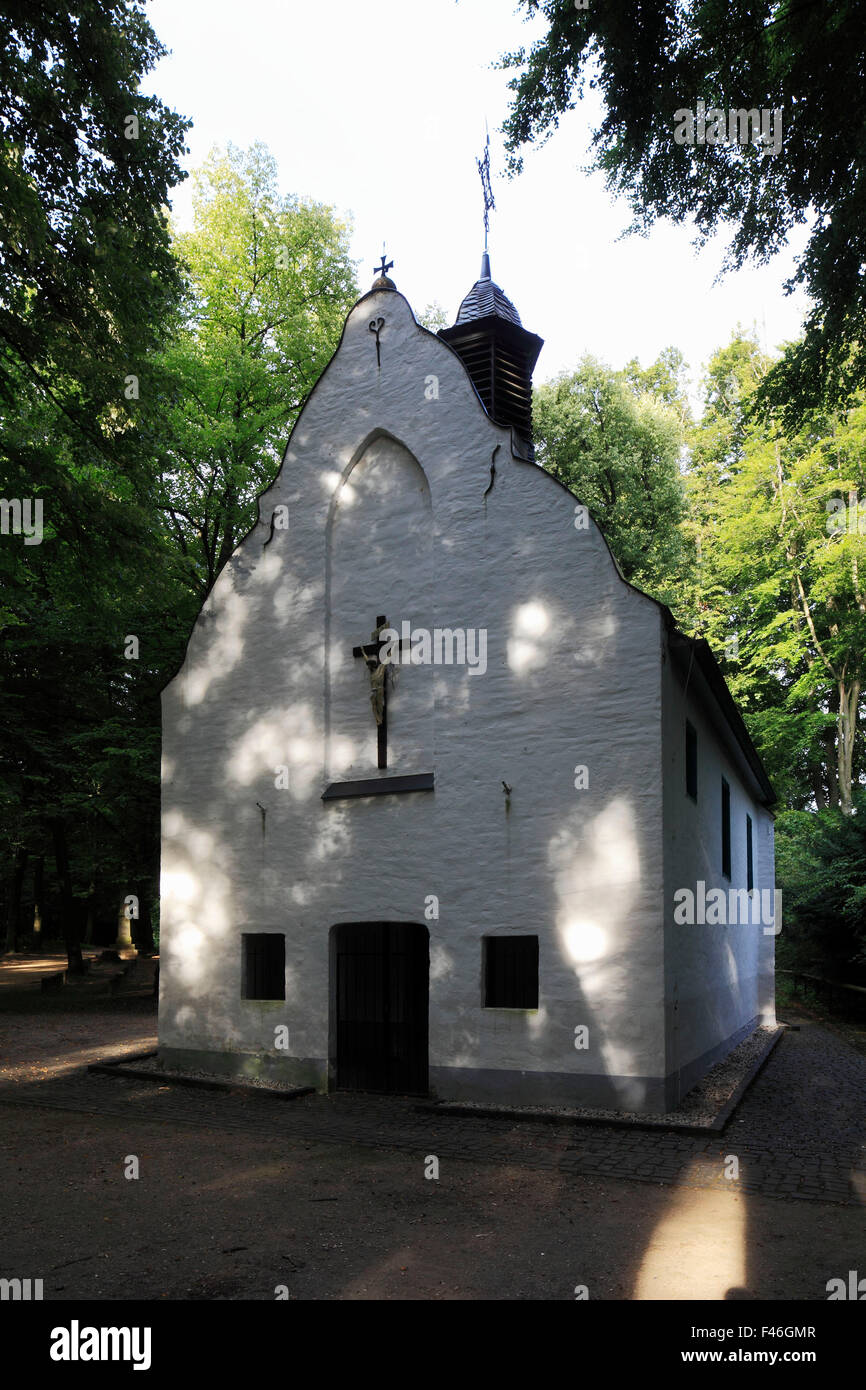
<point x="382" y="971"/>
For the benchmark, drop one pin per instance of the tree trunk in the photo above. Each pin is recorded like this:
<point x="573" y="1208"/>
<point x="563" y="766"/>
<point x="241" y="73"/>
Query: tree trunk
<point x="849" y="700"/>
<point x="830" y="765"/>
<point x="68" y="925"/>
<point x="88" y="928"/>
<point x="143" y="933"/>
<point x="124" y="938"/>
<point x="38" y="893"/>
<point x="13" y="917"/>
<point x="816" y="776"/>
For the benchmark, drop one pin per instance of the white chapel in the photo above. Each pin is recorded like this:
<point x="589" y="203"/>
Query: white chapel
<point x="448" y="807"/>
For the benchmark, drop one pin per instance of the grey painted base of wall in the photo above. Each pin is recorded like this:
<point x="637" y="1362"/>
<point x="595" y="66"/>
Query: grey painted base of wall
<point x="484" y="1084"/>
<point x="640" y="1094"/>
<point x="292" y="1071"/>
<point x="679" y="1082"/>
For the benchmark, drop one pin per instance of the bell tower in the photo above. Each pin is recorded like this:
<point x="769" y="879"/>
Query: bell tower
<point x="496" y="350"/>
<point x="499" y="354"/>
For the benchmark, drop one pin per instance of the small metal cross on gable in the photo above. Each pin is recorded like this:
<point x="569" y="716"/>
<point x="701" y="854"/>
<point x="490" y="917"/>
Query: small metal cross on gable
<point x="372" y="653"/>
<point x="376" y="325"/>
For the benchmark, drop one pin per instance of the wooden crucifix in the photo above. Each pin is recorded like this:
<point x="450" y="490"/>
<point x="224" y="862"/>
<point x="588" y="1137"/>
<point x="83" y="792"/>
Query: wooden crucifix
<point x="372" y="653"/>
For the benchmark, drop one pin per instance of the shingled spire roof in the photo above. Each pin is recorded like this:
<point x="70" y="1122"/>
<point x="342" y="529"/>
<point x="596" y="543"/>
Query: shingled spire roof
<point x="486" y="298"/>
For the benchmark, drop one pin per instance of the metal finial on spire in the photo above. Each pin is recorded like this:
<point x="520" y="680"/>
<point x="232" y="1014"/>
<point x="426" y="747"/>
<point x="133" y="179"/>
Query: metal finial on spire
<point x="489" y="204"/>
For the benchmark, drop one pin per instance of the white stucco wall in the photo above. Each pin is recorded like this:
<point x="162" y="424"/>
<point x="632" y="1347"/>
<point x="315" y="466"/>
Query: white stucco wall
<point x="573" y="678"/>
<point x="719" y="978"/>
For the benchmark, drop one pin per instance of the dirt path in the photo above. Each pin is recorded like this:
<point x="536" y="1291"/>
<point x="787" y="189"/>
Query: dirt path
<point x="235" y="1198"/>
<point x="216" y="1215"/>
<point x="46" y="1036"/>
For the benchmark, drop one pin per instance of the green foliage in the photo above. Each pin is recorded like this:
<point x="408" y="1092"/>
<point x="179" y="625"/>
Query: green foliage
<point x="652" y="59"/>
<point x="269" y="284"/>
<point x="665" y="380"/>
<point x="614" y="438"/>
<point x="433" y="317"/>
<point x="758" y="544"/>
<point x="87" y="279"/>
<point x="821" y="870"/>
<point x="146" y="492"/>
<point x="86" y="272"/>
<point x="783" y="576"/>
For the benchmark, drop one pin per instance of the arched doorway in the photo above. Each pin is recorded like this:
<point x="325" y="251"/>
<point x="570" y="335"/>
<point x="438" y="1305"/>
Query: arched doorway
<point x="380" y="977"/>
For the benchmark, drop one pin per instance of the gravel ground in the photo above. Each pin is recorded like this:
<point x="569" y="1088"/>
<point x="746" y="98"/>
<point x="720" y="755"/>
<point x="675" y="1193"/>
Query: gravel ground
<point x="234" y="1215"/>
<point x="238" y="1196"/>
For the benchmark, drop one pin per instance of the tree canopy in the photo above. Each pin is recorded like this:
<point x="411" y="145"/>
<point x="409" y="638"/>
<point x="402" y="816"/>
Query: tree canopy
<point x="615" y="439"/>
<point x="652" y="58"/>
<point x="147" y="470"/>
<point x="87" y="281"/>
<point x="86" y="165"/>
<point x="269" y="282"/>
<point x="781" y="575"/>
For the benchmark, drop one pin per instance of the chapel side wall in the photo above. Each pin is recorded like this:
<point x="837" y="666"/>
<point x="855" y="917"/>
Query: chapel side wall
<point x="573" y="679"/>
<point x="719" y="980"/>
<point x="581" y="867"/>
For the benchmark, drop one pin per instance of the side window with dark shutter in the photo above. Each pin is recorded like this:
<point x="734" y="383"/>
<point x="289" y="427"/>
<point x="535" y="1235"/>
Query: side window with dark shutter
<point x="691" y="761"/>
<point x="263" y="971"/>
<point x="510" y="965"/>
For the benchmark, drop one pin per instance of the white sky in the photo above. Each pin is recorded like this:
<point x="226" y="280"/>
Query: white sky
<point x="379" y="109"/>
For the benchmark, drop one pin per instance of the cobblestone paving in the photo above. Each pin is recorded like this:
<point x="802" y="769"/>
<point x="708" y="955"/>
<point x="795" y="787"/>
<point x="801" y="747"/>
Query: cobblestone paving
<point x="800" y="1132"/>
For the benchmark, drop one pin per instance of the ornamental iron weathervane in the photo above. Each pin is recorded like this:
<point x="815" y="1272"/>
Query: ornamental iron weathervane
<point x="484" y="171"/>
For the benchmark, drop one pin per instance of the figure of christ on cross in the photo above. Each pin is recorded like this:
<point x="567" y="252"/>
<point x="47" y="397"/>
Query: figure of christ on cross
<point x="372" y="653"/>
